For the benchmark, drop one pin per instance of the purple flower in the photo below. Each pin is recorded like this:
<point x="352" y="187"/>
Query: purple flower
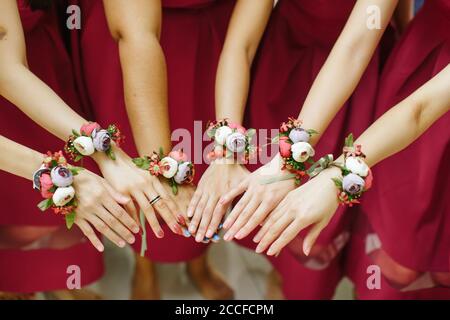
<point x="102" y="140"/>
<point x="353" y="184"/>
<point x="298" y="135"/>
<point x="61" y="176"/>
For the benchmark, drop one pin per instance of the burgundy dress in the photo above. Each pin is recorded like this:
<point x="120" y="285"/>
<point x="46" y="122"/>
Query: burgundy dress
<point x="300" y="35"/>
<point x="29" y="264"/>
<point x="193" y="32"/>
<point x="404" y="222"/>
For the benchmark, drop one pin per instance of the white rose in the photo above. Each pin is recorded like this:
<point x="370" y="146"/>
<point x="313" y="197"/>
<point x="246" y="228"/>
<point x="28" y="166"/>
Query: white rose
<point x="84" y="145"/>
<point x="62" y="196"/>
<point x="236" y="142"/>
<point x="222" y="134"/>
<point x="357" y="166"/>
<point x="169" y="167"/>
<point x="301" y="151"/>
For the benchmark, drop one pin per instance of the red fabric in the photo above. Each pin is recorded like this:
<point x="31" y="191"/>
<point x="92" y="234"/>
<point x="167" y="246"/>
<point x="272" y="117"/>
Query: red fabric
<point x="297" y="42"/>
<point x="24" y="271"/>
<point x="408" y="208"/>
<point x="192" y="40"/>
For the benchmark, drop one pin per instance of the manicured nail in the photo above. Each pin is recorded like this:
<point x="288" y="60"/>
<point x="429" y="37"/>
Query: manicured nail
<point x="210" y="233"/>
<point x="270" y="252"/>
<point x="122" y="243"/>
<point x="100" y="248"/>
<point x="136" y="229"/>
<point x="190" y="213"/>
<point x="198" y="238"/>
<point x="216" y="238"/>
<point x="206" y="240"/>
<point x="259" y="249"/>
<point x="181" y="220"/>
<point x="192" y="229"/>
<point x="186" y="233"/>
<point x="239" y="235"/>
<point x="257" y="238"/>
<point x="228" y="236"/>
<point x="220" y="226"/>
<point x="306" y="249"/>
<point x="131" y="240"/>
<point x="160" y="234"/>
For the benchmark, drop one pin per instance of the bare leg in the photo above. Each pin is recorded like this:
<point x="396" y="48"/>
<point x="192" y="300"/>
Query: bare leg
<point x="210" y="283"/>
<point x="81" y="294"/>
<point x="145" y="283"/>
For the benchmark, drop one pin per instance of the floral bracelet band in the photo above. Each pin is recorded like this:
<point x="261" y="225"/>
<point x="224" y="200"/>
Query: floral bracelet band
<point x="54" y="180"/>
<point x="231" y="140"/>
<point x="357" y="176"/>
<point x="175" y="167"/>
<point x="92" y="138"/>
<point x="294" y="147"/>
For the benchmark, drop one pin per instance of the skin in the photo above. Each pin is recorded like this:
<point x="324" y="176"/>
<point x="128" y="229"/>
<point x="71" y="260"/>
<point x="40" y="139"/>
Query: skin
<point x="347" y="62"/>
<point x="244" y="33"/>
<point x="315" y="203"/>
<point x="40" y="101"/>
<point x="99" y="205"/>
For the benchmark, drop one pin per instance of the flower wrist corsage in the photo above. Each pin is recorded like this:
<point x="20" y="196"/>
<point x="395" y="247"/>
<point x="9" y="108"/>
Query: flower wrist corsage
<point x="294" y="147"/>
<point x="175" y="167"/>
<point x="92" y="138"/>
<point x="231" y="141"/>
<point x="54" y="180"/>
<point x="356" y="175"/>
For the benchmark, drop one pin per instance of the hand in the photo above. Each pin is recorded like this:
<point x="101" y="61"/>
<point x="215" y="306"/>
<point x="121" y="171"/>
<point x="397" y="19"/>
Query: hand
<point x="99" y="206"/>
<point x="141" y="186"/>
<point x="314" y="203"/>
<point x="221" y="175"/>
<point x="182" y="198"/>
<point x="257" y="202"/>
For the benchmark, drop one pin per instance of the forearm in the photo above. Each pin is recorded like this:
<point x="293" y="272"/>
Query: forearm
<point x="145" y="87"/>
<point x="39" y="102"/>
<point x="18" y="159"/>
<point x="344" y="67"/>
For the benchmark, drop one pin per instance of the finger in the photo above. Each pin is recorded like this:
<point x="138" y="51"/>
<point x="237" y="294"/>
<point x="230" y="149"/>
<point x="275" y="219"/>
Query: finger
<point x="235" y="212"/>
<point x="117" y="196"/>
<point x="216" y="219"/>
<point x="206" y="219"/>
<point x="166" y="214"/>
<point x="233" y="193"/>
<point x="103" y="228"/>
<point x="115" y="225"/>
<point x="268" y="223"/>
<point x="169" y="205"/>
<point x="90" y="234"/>
<point x="255" y="220"/>
<point x="312" y="236"/>
<point x="193" y="225"/>
<point x="121" y="215"/>
<point x="273" y="233"/>
<point x="288" y="234"/>
<point x="149" y="213"/>
<point x="194" y="202"/>
<point x="242" y="219"/>
<point x="130" y="207"/>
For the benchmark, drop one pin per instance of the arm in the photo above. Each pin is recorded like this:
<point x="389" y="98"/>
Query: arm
<point x="245" y="30"/>
<point x="136" y="26"/>
<point x="244" y="33"/>
<point x="344" y="67"/>
<point x="315" y="202"/>
<point x="403" y="14"/>
<point x="99" y="205"/>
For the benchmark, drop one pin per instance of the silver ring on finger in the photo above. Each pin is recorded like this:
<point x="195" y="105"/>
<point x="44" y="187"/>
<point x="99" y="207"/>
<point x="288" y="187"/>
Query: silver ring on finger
<point x="155" y="200"/>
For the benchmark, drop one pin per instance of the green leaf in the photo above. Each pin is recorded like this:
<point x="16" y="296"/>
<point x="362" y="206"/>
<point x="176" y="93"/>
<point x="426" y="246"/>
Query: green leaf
<point x="337" y="182"/>
<point x="76" y="170"/>
<point x="78" y="158"/>
<point x="211" y="133"/>
<point x="45" y="204"/>
<point x="70" y="220"/>
<point x="312" y="131"/>
<point x="349" y="140"/>
<point x="251" y="132"/>
<point x="174" y="188"/>
<point x="111" y="154"/>
<point x="75" y="133"/>
<point x="138" y="161"/>
<point x="161" y="152"/>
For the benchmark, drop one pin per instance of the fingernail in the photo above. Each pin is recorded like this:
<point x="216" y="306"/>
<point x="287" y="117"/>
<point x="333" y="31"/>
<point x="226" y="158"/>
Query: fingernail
<point x="210" y="233"/>
<point x="205" y="240"/>
<point x="227" y="236"/>
<point x="122" y="243"/>
<point x="270" y="252"/>
<point x="136" y="229"/>
<point x="220" y="226"/>
<point x="306" y="249"/>
<point x="186" y="233"/>
<point x="160" y="234"/>
<point x="256" y="239"/>
<point x="258" y="249"/>
<point x="131" y="240"/>
<point x="190" y="213"/>
<point x="100" y="248"/>
<point x="177" y="229"/>
<point x="221" y="201"/>
<point x="192" y="229"/>
<point x="226" y="224"/>
<point x="238" y="235"/>
<point x="181" y="220"/>
<point x="216" y="238"/>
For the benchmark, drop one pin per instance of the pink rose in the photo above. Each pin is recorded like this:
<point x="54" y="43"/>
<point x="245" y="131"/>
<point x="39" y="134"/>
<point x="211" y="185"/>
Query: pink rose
<point x="88" y="128"/>
<point x="46" y="185"/>
<point x="285" y="147"/>
<point x="369" y="180"/>
<point x="238" y="127"/>
<point x="178" y="155"/>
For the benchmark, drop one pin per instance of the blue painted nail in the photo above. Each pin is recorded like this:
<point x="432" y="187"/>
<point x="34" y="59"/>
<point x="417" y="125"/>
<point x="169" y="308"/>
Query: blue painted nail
<point x="186" y="233"/>
<point x="216" y="237"/>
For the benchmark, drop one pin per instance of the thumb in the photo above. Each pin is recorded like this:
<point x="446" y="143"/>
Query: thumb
<point x="233" y="193"/>
<point x="117" y="196"/>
